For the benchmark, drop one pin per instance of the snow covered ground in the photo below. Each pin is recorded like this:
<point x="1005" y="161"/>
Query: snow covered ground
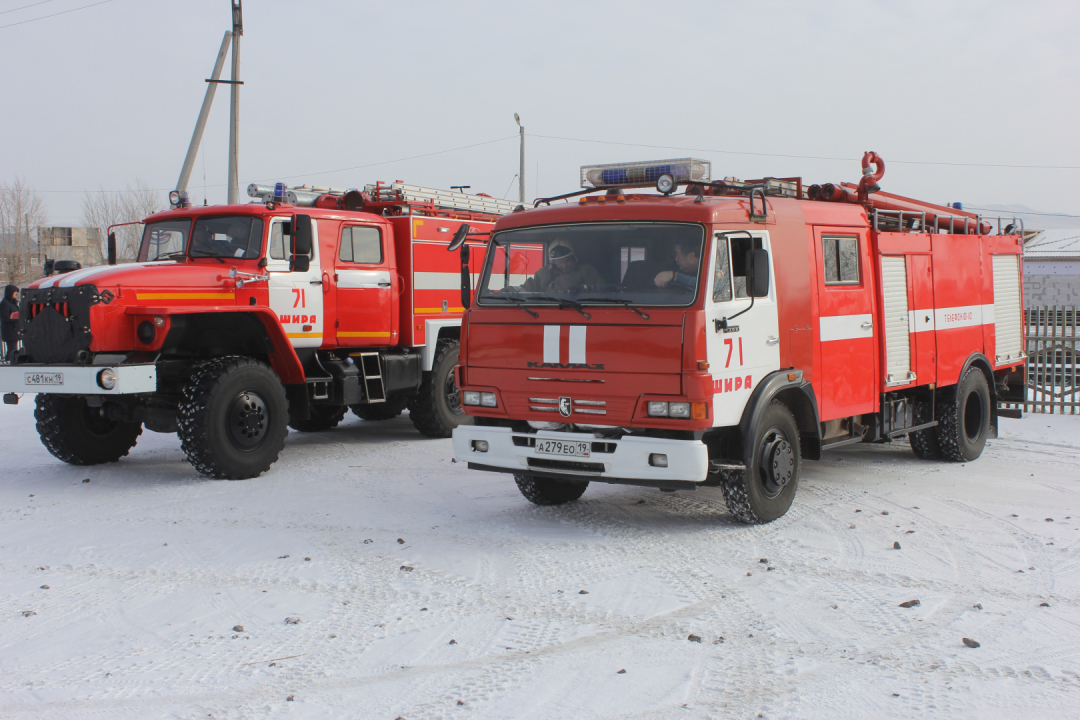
<point x="424" y="590"/>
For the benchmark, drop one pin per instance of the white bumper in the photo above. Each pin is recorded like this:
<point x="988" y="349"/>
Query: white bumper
<point x="688" y="460"/>
<point x="76" y="379"/>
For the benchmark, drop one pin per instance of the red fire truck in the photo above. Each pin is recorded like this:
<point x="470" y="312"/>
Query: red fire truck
<point x="720" y="336"/>
<point x="240" y="319"/>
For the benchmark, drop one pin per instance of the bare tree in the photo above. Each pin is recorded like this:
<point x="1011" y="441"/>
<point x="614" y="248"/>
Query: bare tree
<point x="22" y="211"/>
<point x="104" y="208"/>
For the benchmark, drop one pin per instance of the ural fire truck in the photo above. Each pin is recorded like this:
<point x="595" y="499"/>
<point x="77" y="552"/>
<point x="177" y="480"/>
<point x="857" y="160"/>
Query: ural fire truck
<point x="720" y="336"/>
<point x="238" y="320"/>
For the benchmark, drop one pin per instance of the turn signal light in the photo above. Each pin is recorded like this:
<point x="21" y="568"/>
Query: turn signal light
<point x="698" y="411"/>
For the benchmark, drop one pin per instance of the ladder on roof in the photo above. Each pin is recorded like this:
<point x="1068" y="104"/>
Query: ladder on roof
<point x="445" y="199"/>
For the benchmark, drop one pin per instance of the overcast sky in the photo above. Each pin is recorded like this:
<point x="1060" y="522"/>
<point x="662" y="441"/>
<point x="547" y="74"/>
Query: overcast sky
<point x="341" y="92"/>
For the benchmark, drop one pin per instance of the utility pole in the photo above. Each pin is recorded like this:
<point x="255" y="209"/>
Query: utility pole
<point x="200" y="124"/>
<point x="521" y="171"/>
<point x="234" y="112"/>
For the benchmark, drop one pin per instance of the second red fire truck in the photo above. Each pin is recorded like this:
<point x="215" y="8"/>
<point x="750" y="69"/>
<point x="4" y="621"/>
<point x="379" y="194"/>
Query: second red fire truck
<point x="721" y="336"/>
<point x="238" y="320"/>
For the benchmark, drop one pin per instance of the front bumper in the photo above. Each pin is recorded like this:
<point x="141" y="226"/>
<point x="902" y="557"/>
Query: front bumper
<point x="624" y="461"/>
<point x="77" y="379"/>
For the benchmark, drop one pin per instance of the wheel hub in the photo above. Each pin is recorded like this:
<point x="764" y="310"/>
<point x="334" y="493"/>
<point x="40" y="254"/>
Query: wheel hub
<point x="453" y="395"/>
<point x="777" y="463"/>
<point x="247" y="420"/>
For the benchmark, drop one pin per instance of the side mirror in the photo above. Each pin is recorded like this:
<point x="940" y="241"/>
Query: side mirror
<point x="47" y="267"/>
<point x="459" y="237"/>
<point x="112" y="248"/>
<point x="300" y="243"/>
<point x="758" y="262"/>
<point x="466" y="278"/>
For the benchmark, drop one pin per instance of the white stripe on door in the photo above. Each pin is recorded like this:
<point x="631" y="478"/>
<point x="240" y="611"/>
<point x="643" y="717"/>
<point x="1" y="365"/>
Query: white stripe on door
<point x="846" y="327"/>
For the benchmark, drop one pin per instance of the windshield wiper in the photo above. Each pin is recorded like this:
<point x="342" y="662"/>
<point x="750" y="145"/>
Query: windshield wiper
<point x="519" y="302"/>
<point x="173" y="255"/>
<point x="563" y="304"/>
<point x="625" y="303"/>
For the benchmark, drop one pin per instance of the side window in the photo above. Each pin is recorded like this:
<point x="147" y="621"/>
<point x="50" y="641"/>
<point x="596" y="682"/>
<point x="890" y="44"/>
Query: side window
<point x="841" y="259"/>
<point x="722" y="272"/>
<point x="731" y="267"/>
<point x="279" y="241"/>
<point x="361" y="245"/>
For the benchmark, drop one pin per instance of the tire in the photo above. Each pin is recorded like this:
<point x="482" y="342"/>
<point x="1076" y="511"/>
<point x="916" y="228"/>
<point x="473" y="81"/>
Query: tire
<point x="965" y="419"/>
<point x="924" y="443"/>
<point x="545" y="491"/>
<point x="381" y="411"/>
<point x="320" y="419"/>
<point x="77" y="434"/>
<point x="233" y="418"/>
<point x="764" y="491"/>
<point x="436" y="409"/>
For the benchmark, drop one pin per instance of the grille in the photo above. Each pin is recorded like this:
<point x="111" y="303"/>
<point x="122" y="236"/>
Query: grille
<point x="55" y="322"/>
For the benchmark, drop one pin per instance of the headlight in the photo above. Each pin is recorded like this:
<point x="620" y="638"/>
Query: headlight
<point x="107" y="379"/>
<point x="488" y="399"/>
<point x="146" y="332"/>
<point x="679" y="409"/>
<point x="470" y="397"/>
<point x="658" y="409"/>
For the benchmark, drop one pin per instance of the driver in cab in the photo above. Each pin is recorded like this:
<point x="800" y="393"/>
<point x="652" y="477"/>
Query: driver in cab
<point x="686" y="260"/>
<point x="563" y="273"/>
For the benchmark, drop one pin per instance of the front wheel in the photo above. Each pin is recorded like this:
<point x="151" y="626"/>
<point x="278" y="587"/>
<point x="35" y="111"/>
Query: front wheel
<point x="545" y="491"/>
<point x="233" y="418"/>
<point x="765" y="489"/>
<point x="965" y="418"/>
<point x="924" y="443"/>
<point x="436" y="409"/>
<point x="78" y="434"/>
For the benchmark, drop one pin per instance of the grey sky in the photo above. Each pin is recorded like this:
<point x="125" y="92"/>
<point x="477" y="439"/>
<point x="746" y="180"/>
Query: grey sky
<point x="102" y="96"/>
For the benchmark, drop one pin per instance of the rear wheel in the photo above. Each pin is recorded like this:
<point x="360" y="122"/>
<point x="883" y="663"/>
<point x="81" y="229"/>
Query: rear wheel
<point x="320" y="418"/>
<point x="924" y="443"/>
<point x="436" y="409"/>
<point x="233" y="418"/>
<point x="765" y="489"/>
<point x="78" y="434"/>
<point x="381" y="411"/>
<point x="545" y="491"/>
<point x="965" y="419"/>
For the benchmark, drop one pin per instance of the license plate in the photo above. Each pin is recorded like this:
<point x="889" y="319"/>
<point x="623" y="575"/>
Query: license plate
<point x="44" y="378"/>
<point x="559" y="447"/>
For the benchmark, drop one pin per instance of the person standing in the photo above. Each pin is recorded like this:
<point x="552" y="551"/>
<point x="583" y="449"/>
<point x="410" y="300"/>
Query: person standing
<point x="9" y="321"/>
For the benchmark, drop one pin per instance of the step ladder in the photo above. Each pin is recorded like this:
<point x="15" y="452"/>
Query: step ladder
<point x="371" y="372"/>
<point x="444" y="199"/>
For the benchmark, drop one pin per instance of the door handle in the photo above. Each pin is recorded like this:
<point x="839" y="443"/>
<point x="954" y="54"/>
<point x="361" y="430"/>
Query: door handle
<point x="316" y="282"/>
<point x="384" y="284"/>
<point x="868" y="326"/>
<point x="772" y="340"/>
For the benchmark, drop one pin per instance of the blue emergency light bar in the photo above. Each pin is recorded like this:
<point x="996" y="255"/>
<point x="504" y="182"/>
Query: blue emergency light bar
<point x="644" y="174"/>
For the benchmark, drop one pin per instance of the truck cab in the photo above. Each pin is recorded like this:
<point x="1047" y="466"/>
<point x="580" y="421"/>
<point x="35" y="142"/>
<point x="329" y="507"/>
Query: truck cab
<point x="720" y="336"/>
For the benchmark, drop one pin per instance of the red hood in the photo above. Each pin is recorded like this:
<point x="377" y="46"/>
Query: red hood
<point x="162" y="274"/>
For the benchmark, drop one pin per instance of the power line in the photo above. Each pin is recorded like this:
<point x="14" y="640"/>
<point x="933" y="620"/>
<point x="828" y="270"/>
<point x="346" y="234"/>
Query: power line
<point x="805" y="157"/>
<point x="5" y="12"/>
<point x="323" y="172"/>
<point x="62" y="12"/>
<point x="1022" y="212"/>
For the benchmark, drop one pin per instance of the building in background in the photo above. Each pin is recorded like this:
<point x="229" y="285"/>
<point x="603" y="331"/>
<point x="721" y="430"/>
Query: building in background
<point x="70" y="243"/>
<point x="1052" y="268"/>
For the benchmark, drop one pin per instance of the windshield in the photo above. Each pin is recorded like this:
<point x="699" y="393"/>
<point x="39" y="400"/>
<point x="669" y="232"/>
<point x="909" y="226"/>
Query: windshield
<point x="233" y="236"/>
<point x="597" y="263"/>
<point x="163" y="238"/>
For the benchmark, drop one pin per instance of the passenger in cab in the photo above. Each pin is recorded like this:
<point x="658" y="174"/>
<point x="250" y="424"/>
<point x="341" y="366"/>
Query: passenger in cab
<point x="563" y="273"/>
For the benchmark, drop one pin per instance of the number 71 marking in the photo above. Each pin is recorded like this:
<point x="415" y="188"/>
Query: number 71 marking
<point x="301" y="299"/>
<point x="730" y="342"/>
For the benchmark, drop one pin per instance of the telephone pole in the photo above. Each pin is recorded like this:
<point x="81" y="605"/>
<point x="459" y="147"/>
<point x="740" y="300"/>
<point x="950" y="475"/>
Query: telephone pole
<point x="234" y="111"/>
<point x="521" y="172"/>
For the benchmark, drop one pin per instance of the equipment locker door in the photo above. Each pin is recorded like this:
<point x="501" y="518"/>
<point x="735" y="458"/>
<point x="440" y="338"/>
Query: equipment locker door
<point x="365" y="292"/>
<point x="296" y="297"/>
<point x="849" y="349"/>
<point x="897" y="316"/>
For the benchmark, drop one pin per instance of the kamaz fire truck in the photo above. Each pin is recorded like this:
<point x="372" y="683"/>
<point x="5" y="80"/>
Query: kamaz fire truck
<point x="720" y="336"/>
<point x="239" y="320"/>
